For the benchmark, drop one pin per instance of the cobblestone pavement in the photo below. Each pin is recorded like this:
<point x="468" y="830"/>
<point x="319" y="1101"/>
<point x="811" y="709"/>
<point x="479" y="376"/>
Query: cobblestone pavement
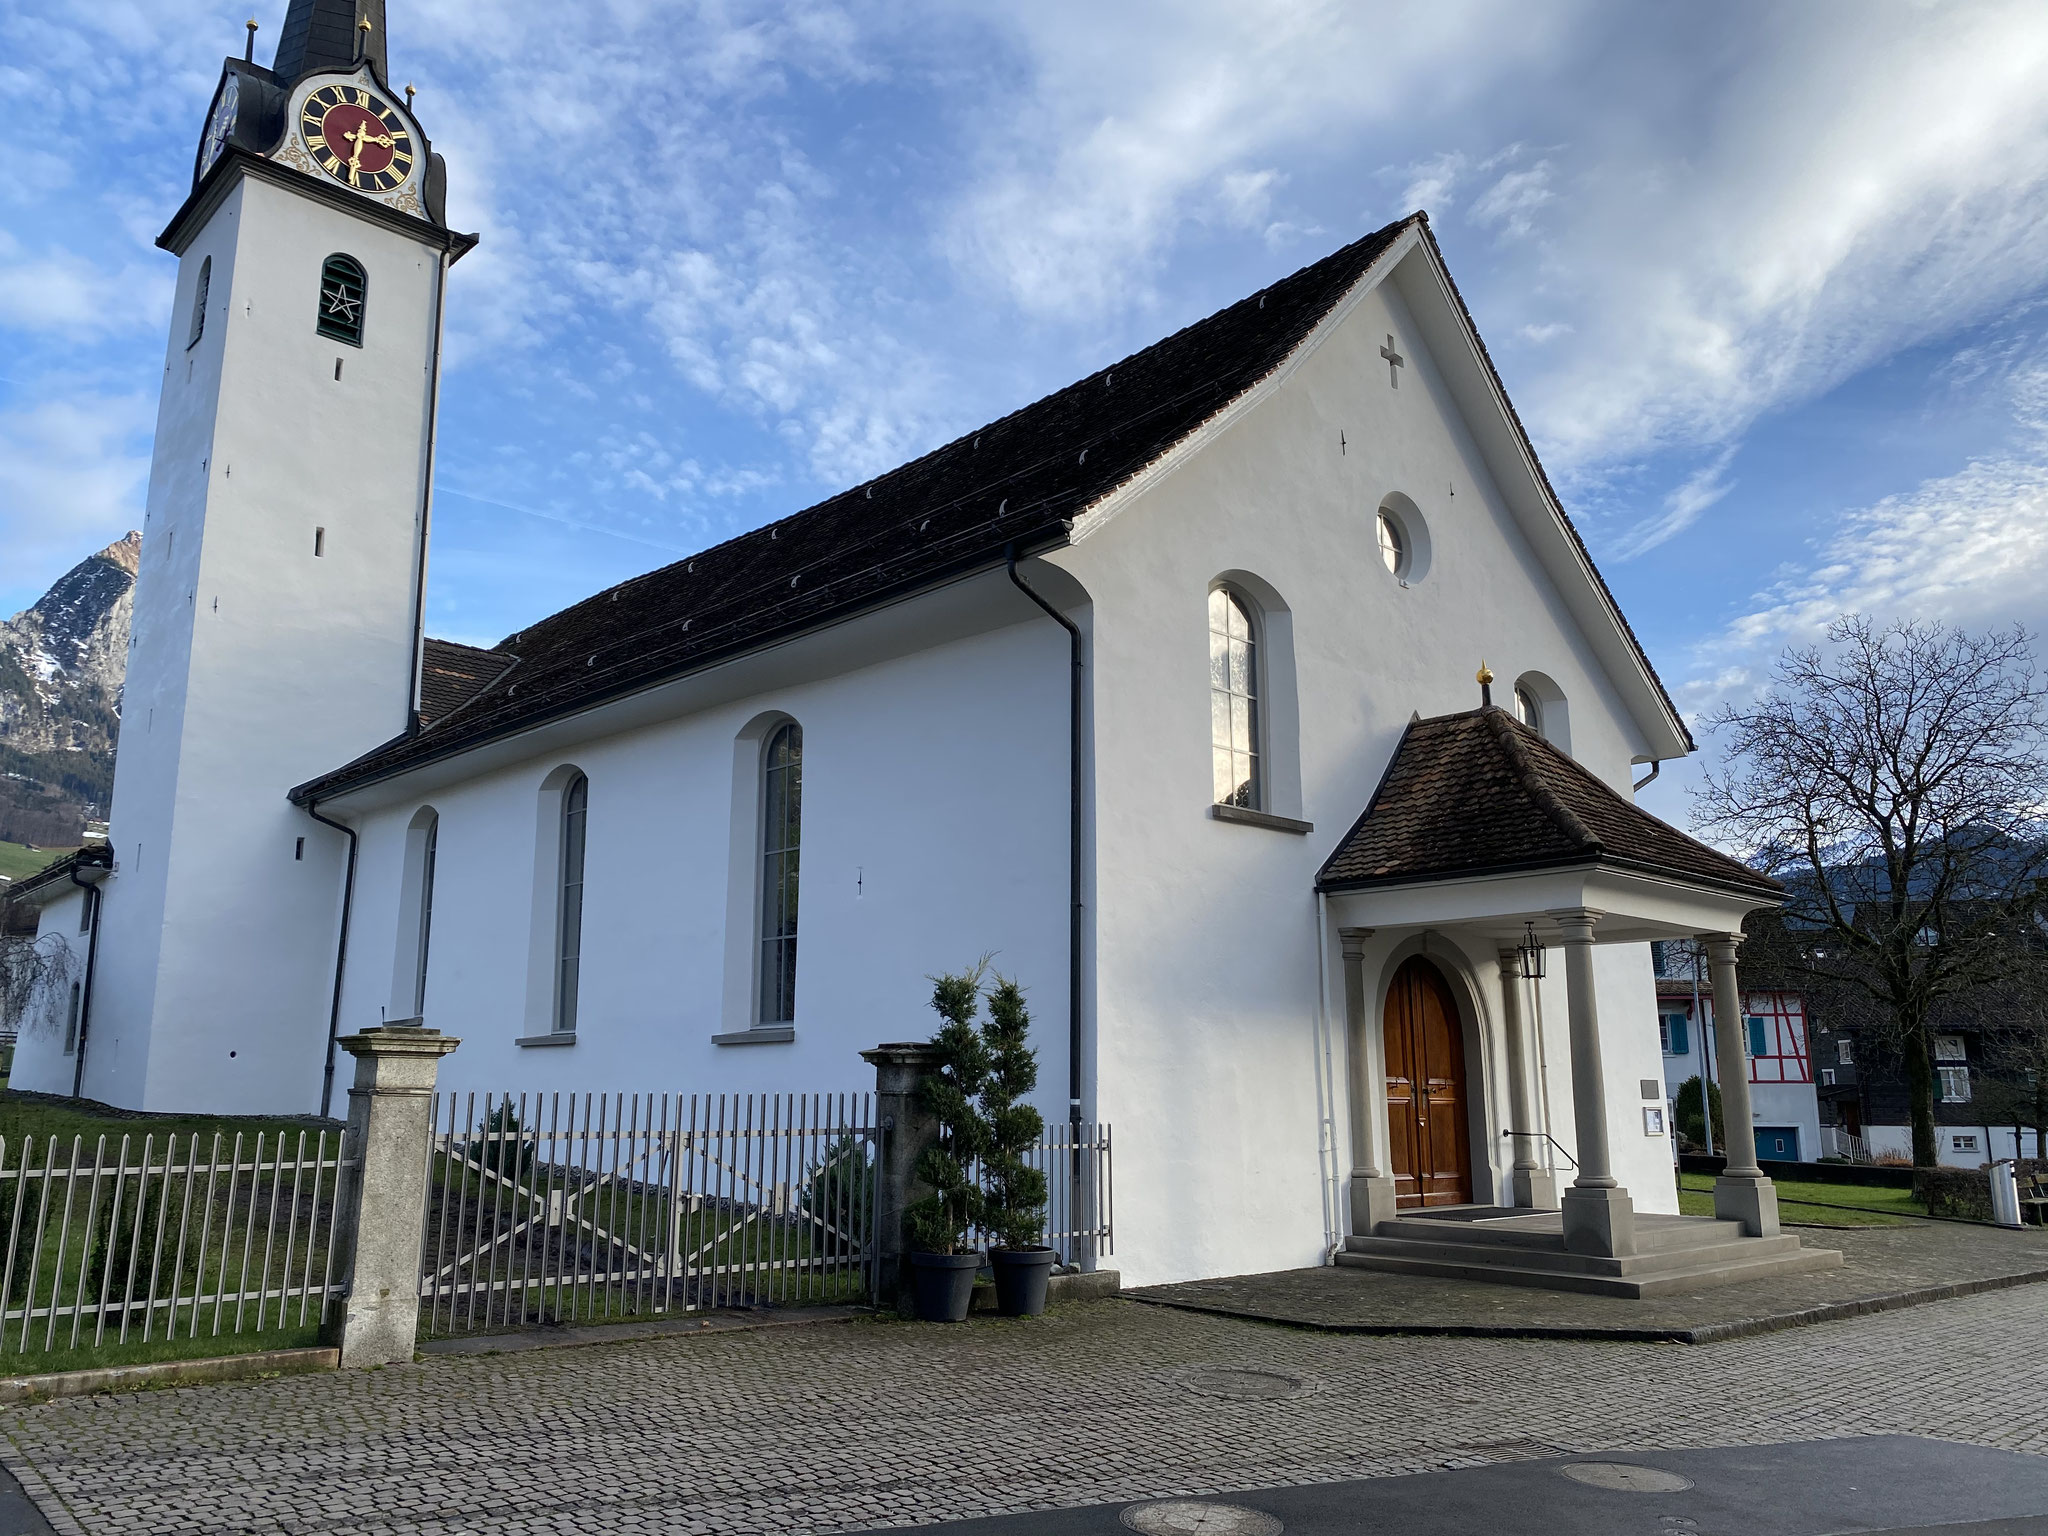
<point x="849" y="1426"/>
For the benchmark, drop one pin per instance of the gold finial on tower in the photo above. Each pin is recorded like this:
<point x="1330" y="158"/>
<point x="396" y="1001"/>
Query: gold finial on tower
<point x="1484" y="677"/>
<point x="249" y="53"/>
<point x="364" y="25"/>
<point x="408" y="95"/>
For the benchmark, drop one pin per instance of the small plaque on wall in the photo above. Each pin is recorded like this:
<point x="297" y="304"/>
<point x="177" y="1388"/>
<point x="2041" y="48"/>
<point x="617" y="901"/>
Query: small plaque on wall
<point x="1653" y="1119"/>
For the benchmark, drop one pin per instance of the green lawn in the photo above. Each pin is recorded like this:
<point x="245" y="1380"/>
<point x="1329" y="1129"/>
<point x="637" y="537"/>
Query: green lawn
<point x="1833" y="1205"/>
<point x="230" y="1234"/>
<point x="18" y="862"/>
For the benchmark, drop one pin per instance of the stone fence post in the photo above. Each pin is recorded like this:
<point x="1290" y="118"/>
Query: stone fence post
<point x="904" y="1129"/>
<point x="379" y="1226"/>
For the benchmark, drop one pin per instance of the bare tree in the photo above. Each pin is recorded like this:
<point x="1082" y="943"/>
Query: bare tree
<point x="31" y="971"/>
<point x="1894" y="780"/>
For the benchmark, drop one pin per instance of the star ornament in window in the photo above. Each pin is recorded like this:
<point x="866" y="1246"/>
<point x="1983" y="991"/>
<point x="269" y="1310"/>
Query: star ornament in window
<point x="340" y="304"/>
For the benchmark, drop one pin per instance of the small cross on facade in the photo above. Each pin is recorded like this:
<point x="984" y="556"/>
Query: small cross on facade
<point x="1394" y="362"/>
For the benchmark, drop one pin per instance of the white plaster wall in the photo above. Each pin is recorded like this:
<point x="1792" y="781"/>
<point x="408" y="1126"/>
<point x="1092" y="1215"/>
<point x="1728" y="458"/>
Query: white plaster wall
<point x="257" y="665"/>
<point x="1204" y="931"/>
<point x="934" y="832"/>
<point x="1793" y="1104"/>
<point x="41" y="1064"/>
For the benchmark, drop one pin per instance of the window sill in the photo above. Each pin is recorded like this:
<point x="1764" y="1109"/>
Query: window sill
<point x="1266" y="819"/>
<point x="553" y="1037"/>
<point x="765" y="1034"/>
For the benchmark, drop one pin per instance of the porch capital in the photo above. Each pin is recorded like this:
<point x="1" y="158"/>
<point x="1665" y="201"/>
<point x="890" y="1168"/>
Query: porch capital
<point x="1720" y="944"/>
<point x="1353" y="941"/>
<point x="1577" y="922"/>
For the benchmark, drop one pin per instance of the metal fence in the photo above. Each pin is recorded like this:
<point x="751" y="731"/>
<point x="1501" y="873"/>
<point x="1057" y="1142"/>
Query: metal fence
<point x="564" y="1207"/>
<point x="1080" y="1216"/>
<point x="155" y="1240"/>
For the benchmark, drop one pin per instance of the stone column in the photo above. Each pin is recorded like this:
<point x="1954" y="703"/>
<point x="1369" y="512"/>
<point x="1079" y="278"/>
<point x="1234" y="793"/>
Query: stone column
<point x="1599" y="1217"/>
<point x="1535" y="1186"/>
<point x="905" y="1129"/>
<point x="1742" y="1193"/>
<point x="382" y="1218"/>
<point x="1372" y="1191"/>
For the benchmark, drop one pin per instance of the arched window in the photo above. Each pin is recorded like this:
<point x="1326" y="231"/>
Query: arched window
<point x="419" y="990"/>
<point x="1527" y="709"/>
<point x="199" y="294"/>
<point x="569" y="926"/>
<point x="1233" y="700"/>
<point x="782" y="795"/>
<point x="71" y="1023"/>
<point x="343" y="286"/>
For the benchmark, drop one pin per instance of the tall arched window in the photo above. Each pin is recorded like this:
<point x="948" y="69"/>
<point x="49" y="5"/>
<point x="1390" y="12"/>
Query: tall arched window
<point x="343" y="288"/>
<point x="71" y="1023"/>
<point x="419" y="990"/>
<point x="782" y="796"/>
<point x="1233" y="700"/>
<point x="569" y="927"/>
<point x="199" y="294"/>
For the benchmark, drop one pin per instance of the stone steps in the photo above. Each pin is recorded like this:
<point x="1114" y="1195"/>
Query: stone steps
<point x="1673" y="1254"/>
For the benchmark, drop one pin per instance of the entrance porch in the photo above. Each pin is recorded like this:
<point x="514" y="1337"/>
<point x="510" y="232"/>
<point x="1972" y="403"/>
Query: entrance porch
<point x="1489" y="868"/>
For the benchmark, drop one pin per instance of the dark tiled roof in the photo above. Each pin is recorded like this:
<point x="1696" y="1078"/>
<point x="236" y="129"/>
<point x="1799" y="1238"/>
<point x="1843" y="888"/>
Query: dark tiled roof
<point x="57" y="872"/>
<point x="1480" y="793"/>
<point x="322" y="34"/>
<point x="451" y="675"/>
<point x="1017" y="480"/>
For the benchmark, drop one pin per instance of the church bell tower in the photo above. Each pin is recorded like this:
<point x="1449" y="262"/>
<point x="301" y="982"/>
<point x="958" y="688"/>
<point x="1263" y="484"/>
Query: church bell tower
<point x="278" y="605"/>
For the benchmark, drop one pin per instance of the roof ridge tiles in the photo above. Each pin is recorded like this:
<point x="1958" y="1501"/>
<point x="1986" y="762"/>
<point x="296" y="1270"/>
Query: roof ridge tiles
<point x="1508" y="732"/>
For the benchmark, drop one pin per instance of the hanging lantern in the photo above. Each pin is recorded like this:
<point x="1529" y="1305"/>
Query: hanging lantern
<point x="1531" y="951"/>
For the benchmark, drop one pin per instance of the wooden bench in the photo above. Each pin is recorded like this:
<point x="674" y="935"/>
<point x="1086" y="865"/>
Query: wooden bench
<point x="2033" y="1188"/>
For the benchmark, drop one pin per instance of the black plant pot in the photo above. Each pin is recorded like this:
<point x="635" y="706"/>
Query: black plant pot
<point x="1021" y="1276"/>
<point x="945" y="1285"/>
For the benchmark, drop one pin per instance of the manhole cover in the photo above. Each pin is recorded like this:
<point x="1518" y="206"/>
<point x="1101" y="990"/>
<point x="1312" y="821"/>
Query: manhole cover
<point x="1236" y="1382"/>
<point x="1625" y="1477"/>
<point x="1192" y="1517"/>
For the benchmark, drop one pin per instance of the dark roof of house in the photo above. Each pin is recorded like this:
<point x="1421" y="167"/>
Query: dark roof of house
<point x="1481" y="793"/>
<point x="451" y="675"/>
<point x="18" y="896"/>
<point x="1015" y="484"/>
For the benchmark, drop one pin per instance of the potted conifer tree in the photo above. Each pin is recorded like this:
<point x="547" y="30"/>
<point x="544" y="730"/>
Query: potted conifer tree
<point x="941" y="1220"/>
<point x="1014" y="1193"/>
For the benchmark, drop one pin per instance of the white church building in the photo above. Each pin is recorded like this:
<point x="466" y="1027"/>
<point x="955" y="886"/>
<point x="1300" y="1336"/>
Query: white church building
<point x="1160" y="691"/>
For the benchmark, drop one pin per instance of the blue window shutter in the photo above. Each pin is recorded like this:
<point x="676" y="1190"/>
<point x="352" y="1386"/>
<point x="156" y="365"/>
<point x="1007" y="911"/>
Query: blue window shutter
<point x="1680" y="1044"/>
<point x="1756" y="1036"/>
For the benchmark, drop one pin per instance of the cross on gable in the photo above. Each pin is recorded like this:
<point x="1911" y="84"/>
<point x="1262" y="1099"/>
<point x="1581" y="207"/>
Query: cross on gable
<point x="1394" y="363"/>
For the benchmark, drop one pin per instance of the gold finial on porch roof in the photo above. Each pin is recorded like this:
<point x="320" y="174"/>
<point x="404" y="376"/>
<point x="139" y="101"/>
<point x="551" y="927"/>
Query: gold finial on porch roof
<point x="1484" y="677"/>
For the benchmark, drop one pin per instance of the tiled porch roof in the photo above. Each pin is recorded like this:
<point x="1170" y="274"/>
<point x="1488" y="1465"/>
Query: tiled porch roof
<point x="1480" y="793"/>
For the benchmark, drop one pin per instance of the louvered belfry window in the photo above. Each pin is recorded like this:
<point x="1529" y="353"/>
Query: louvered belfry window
<point x="342" y="288"/>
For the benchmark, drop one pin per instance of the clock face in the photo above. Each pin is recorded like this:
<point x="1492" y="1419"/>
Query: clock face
<point x="355" y="138"/>
<point x="222" y="123"/>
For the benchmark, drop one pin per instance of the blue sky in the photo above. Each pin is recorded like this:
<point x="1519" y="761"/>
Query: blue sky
<point x="1766" y="282"/>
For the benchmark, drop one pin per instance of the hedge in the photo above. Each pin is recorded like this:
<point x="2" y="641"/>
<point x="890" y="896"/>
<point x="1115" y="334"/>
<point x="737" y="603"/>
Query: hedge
<point x="1963" y="1192"/>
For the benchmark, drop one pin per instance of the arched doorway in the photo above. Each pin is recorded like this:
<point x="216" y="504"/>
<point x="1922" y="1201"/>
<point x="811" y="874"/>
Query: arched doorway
<point x="1426" y="1121"/>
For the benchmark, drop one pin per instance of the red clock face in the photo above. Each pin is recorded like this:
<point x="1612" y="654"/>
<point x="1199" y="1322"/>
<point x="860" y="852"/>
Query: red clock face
<point x="356" y="138"/>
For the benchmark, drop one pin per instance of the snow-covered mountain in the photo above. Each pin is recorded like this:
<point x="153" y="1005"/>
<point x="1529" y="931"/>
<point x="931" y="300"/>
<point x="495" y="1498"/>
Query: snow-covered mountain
<point x="61" y="667"/>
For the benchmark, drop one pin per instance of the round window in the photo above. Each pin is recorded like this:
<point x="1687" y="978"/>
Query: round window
<point x="1393" y="548"/>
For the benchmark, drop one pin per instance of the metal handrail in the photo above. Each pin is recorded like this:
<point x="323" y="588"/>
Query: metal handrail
<point x="1546" y="1136"/>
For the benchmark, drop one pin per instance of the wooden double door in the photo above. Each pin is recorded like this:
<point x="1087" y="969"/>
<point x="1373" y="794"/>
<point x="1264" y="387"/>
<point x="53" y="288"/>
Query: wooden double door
<point x="1427" y="1124"/>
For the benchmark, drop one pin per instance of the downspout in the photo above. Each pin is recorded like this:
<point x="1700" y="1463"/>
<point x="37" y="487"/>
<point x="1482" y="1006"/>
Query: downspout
<point x="1074" y="917"/>
<point x="419" y="590"/>
<point x="92" y="955"/>
<point x="348" y="896"/>
<point x="1326" y="1085"/>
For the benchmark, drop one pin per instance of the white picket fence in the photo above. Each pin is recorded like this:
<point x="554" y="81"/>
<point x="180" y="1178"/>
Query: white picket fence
<point x="161" y="1236"/>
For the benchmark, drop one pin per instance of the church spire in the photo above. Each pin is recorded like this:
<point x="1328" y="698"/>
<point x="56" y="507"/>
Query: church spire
<point x="328" y="34"/>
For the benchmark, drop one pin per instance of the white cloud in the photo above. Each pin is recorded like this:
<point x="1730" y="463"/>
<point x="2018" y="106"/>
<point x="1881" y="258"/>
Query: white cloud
<point x="72" y="471"/>
<point x="61" y="294"/>
<point x="1682" y="506"/>
<point x="1510" y="204"/>
<point x="1968" y="548"/>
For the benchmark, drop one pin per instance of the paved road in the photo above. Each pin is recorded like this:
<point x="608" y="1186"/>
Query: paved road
<point x="855" y="1426"/>
<point x="1881" y="1484"/>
